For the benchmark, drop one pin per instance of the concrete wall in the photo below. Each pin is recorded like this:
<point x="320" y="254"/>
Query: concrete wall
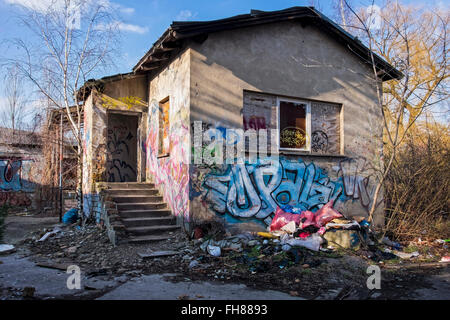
<point x="285" y="59"/>
<point x="170" y="173"/>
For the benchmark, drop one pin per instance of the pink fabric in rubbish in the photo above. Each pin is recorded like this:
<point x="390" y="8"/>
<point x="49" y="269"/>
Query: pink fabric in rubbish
<point x="325" y="215"/>
<point x="282" y="218"/>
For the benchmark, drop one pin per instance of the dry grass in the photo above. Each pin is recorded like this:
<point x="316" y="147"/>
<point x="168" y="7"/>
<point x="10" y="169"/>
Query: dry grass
<point x="417" y="189"/>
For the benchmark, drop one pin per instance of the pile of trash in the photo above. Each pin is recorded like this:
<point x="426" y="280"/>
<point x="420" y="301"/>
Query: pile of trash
<point x="292" y="227"/>
<point x="325" y="230"/>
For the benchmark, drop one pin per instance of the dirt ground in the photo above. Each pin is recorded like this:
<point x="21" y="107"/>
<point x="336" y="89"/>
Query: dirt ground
<point x="262" y="265"/>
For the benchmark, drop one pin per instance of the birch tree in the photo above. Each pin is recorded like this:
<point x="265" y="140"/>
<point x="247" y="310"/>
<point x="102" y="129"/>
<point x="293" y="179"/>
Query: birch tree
<point x="67" y="43"/>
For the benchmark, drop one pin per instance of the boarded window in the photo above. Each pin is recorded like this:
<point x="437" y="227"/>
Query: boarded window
<point x="303" y="125"/>
<point x="164" y="141"/>
<point x="293" y="125"/>
<point x="325" y="128"/>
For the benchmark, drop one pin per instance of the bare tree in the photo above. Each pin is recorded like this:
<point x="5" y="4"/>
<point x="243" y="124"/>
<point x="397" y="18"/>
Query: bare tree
<point x="15" y="100"/>
<point x="69" y="42"/>
<point x="416" y="43"/>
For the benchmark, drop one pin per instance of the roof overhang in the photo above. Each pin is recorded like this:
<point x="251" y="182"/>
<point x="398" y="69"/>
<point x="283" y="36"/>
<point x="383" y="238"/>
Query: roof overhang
<point x="173" y="38"/>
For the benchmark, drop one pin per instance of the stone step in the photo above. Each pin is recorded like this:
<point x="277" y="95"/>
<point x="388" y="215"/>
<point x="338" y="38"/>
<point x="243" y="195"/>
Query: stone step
<point x="137" y="199"/>
<point x="124" y="214"/>
<point x="132" y="192"/>
<point x="152" y="230"/>
<point x="153" y="221"/>
<point x="141" y="206"/>
<point x="147" y="239"/>
<point x="129" y="185"/>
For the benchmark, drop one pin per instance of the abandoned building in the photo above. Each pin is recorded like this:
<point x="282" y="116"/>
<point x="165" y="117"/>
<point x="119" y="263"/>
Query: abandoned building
<point x="292" y="69"/>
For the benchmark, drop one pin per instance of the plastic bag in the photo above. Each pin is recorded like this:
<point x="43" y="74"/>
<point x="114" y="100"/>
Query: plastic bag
<point x="312" y="243"/>
<point x="325" y="215"/>
<point x="282" y="218"/>
<point x="306" y="219"/>
<point x="70" y="216"/>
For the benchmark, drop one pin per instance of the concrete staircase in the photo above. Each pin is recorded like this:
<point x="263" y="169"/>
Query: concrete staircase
<point x="142" y="210"/>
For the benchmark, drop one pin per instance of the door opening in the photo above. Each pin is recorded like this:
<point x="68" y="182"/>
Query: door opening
<point x="122" y="148"/>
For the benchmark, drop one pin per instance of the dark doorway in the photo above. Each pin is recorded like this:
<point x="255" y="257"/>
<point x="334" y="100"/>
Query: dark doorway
<point x="122" y="148"/>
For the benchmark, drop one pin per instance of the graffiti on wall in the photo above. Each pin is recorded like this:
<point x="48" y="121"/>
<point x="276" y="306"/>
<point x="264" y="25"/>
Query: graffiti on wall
<point x="241" y="192"/>
<point x="255" y="190"/>
<point x="15" y="181"/>
<point x="16" y="175"/>
<point x="170" y="173"/>
<point x="356" y="177"/>
<point x="122" y="149"/>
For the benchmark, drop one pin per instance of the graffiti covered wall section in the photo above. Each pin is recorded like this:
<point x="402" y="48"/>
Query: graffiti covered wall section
<point x="250" y="193"/>
<point x="170" y="172"/>
<point x="18" y="181"/>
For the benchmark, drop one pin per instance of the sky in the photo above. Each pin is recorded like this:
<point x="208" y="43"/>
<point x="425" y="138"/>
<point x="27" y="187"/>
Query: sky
<point x="142" y="22"/>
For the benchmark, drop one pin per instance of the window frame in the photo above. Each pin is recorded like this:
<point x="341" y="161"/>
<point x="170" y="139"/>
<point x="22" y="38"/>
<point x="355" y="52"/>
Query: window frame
<point x="307" y="120"/>
<point x="163" y="153"/>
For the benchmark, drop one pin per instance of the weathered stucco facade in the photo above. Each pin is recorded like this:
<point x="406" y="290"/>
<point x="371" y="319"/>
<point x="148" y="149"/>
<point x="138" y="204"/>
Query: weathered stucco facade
<point x="241" y="78"/>
<point x="288" y="60"/>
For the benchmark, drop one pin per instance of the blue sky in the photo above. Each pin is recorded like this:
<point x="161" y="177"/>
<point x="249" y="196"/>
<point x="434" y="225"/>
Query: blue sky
<point x="143" y="22"/>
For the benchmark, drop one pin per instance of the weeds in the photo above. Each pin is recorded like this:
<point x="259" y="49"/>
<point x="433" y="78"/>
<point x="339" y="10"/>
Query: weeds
<point x="418" y="187"/>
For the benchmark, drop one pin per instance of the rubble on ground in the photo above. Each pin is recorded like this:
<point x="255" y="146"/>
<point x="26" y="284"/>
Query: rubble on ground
<point x="292" y="255"/>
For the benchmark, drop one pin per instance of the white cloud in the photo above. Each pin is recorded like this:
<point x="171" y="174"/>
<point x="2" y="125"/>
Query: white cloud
<point x="374" y="17"/>
<point x="184" y="15"/>
<point x="124" y="27"/>
<point x="132" y="28"/>
<point x="127" y="10"/>
<point x="44" y="5"/>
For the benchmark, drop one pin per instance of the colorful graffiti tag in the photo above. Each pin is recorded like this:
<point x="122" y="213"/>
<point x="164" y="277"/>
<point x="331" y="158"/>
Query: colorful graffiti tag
<point x="15" y="181"/>
<point x="15" y="175"/>
<point x="255" y="190"/>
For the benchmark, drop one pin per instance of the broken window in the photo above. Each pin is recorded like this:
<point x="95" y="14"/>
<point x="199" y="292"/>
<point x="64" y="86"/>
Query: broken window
<point x="164" y="141"/>
<point x="294" y="125"/>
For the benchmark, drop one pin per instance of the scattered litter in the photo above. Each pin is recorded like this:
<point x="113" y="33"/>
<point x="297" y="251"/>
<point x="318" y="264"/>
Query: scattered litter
<point x="214" y="250"/>
<point x="282" y="218"/>
<point x="289" y="227"/>
<point x="267" y="235"/>
<point x="348" y="239"/>
<point x="49" y="234"/>
<point x="193" y="264"/>
<point x="326" y="214"/>
<point x="445" y="259"/>
<point x="312" y="243"/>
<point x="392" y="244"/>
<point x="70" y="216"/>
<point x="6" y="249"/>
<point x="338" y="223"/>
<point x="404" y="255"/>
